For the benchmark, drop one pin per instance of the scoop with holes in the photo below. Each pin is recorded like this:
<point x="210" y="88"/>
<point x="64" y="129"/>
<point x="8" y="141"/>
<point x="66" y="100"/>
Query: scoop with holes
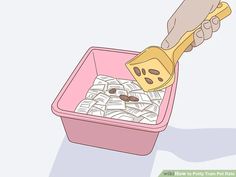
<point x="154" y="68"/>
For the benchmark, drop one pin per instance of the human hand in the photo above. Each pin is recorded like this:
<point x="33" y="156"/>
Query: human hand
<point x="189" y="15"/>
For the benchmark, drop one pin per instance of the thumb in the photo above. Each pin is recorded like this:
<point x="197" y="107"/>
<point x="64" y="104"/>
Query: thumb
<point x="173" y="37"/>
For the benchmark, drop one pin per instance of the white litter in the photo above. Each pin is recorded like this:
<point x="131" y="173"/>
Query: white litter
<point x="100" y="102"/>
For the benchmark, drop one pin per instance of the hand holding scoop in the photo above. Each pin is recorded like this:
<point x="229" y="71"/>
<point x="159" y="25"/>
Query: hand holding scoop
<point x="154" y="68"/>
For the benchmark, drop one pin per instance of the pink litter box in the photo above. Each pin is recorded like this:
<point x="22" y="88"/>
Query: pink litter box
<point x="113" y="134"/>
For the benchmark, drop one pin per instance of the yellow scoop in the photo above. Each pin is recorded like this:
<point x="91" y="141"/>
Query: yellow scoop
<point x="154" y="68"/>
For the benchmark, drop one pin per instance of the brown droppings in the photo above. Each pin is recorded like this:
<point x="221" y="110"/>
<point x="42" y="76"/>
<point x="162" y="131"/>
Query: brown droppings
<point x="160" y="79"/>
<point x="148" y="80"/>
<point x="112" y="91"/>
<point x="133" y="98"/>
<point x="154" y="71"/>
<point x="137" y="71"/>
<point x="143" y="71"/>
<point x="124" y="98"/>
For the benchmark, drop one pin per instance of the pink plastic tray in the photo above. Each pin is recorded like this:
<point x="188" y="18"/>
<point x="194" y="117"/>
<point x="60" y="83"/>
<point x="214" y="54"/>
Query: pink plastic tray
<point x="103" y="132"/>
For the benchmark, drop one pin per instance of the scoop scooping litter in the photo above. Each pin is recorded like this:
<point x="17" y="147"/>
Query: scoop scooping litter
<point x="154" y="68"/>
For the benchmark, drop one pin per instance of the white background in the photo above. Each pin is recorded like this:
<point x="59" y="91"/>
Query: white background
<point x="42" y="41"/>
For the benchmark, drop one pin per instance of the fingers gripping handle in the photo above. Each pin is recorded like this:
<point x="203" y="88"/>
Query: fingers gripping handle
<point x="222" y="11"/>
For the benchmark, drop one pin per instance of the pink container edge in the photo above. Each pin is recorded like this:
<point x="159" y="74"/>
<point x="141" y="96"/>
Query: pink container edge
<point x="145" y="127"/>
<point x="146" y="142"/>
<point x="148" y="133"/>
<point x="136" y="150"/>
<point x="151" y="131"/>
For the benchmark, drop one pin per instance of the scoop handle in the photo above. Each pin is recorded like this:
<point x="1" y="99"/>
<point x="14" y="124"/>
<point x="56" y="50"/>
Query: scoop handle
<point x="222" y="11"/>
